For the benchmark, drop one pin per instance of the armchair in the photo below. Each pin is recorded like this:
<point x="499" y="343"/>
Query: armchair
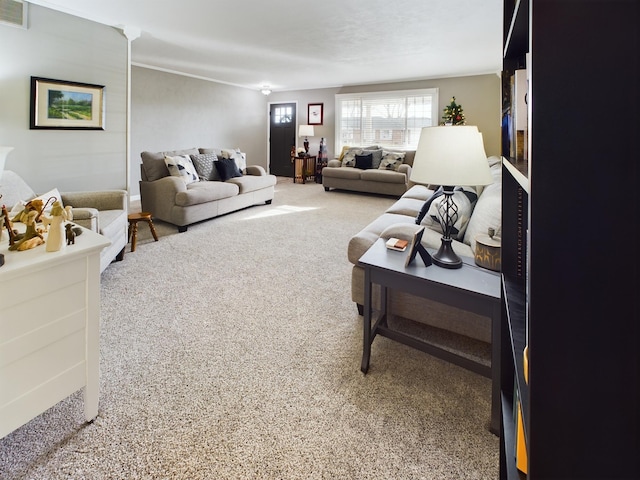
<point x="104" y="212"/>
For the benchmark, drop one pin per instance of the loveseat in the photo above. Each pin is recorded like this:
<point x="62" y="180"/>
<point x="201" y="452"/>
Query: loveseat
<point x="371" y="170"/>
<point x="399" y="221"/>
<point x="204" y="183"/>
<point x="104" y="211"/>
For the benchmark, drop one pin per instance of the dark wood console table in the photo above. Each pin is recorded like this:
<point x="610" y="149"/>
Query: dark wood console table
<point x="304" y="168"/>
<point x="471" y="288"/>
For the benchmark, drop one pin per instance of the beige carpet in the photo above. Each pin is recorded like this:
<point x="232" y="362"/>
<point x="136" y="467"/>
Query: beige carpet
<point x="233" y="351"/>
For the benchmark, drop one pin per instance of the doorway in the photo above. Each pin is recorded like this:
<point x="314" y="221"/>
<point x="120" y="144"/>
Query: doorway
<point x="282" y="137"/>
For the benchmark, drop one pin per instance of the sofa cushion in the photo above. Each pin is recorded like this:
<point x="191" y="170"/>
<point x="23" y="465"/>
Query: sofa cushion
<point x="385" y="176"/>
<point x="465" y="199"/>
<point x="204" y="166"/>
<point x="251" y="183"/>
<point x="153" y="162"/>
<point x="182" y="167"/>
<point x="227" y="168"/>
<point x="364" y="162"/>
<point x="406" y="206"/>
<point x="362" y="241"/>
<point x="486" y="214"/>
<point x="347" y="173"/>
<point x="391" y="160"/>
<point x="419" y="192"/>
<point x="204" y="192"/>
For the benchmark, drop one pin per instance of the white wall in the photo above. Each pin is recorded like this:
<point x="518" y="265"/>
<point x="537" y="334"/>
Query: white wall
<point x="172" y="112"/>
<point x="63" y="47"/>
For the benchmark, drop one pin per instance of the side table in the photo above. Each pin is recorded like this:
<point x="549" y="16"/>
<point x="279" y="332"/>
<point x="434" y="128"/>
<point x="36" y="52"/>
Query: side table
<point x="304" y="168"/>
<point x="470" y="288"/>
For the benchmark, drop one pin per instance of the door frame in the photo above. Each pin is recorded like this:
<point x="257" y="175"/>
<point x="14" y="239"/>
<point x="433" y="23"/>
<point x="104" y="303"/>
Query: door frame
<point x="269" y="127"/>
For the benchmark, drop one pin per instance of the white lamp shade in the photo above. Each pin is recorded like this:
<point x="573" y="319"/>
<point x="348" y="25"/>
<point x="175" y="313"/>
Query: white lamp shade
<point x="451" y="156"/>
<point x="4" y="151"/>
<point x="305" y="131"/>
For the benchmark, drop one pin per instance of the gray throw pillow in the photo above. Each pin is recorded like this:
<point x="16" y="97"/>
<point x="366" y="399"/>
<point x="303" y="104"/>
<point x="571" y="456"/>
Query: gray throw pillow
<point x="204" y="166"/>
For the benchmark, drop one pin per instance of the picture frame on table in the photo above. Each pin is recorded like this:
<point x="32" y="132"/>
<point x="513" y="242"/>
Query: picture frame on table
<point x="315" y="113"/>
<point x="60" y="104"/>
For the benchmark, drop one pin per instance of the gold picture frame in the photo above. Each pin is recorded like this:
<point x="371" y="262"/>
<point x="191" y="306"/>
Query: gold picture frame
<point x="59" y="104"/>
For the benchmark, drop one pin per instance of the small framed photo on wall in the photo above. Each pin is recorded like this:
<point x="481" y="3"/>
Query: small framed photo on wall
<point x="314" y="115"/>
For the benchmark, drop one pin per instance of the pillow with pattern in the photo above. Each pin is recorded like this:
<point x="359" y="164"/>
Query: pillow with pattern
<point x="181" y="166"/>
<point x="465" y="199"/>
<point x="204" y="166"/>
<point x="349" y="158"/>
<point x="391" y="160"/>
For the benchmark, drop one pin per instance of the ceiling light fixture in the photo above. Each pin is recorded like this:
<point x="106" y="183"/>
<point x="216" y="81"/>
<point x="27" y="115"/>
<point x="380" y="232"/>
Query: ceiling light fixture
<point x="266" y="90"/>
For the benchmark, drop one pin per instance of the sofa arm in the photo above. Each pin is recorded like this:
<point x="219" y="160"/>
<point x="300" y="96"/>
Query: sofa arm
<point x="334" y="163"/>
<point x="99" y="200"/>
<point x="406" y="169"/>
<point x="86" y="217"/>
<point x="256" y="170"/>
<point x="159" y="196"/>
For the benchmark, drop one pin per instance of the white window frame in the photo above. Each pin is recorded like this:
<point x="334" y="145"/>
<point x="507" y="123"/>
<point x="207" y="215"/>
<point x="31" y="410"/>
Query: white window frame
<point x="368" y="136"/>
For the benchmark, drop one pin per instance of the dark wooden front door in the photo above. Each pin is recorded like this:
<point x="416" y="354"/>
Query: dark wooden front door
<point x="282" y="137"/>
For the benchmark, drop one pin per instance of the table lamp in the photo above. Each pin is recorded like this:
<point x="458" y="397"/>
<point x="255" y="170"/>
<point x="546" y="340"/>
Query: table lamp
<point x="450" y="156"/>
<point x="306" y="131"/>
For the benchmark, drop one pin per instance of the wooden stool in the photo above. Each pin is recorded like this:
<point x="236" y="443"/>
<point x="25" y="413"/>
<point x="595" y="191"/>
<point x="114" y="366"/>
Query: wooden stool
<point x="134" y="218"/>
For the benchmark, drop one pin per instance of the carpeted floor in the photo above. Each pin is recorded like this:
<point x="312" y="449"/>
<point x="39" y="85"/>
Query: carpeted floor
<point x="232" y="351"/>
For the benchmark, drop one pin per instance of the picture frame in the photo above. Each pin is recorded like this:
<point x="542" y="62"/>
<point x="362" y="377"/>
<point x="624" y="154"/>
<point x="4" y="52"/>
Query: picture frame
<point x="417" y="248"/>
<point x="315" y="113"/>
<point x="60" y="104"/>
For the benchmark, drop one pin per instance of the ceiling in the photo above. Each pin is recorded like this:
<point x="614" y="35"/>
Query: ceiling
<point x="304" y="44"/>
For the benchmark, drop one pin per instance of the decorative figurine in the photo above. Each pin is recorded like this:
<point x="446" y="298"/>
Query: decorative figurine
<point x="70" y="234"/>
<point x="31" y="237"/>
<point x="55" y="240"/>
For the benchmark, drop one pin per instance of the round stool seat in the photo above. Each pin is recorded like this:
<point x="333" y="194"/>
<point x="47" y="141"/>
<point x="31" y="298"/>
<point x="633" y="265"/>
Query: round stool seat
<point x="134" y="218"/>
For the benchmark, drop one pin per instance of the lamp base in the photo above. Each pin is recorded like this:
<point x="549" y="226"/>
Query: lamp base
<point x="446" y="257"/>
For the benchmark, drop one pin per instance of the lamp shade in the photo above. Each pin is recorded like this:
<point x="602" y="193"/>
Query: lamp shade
<point x="451" y="155"/>
<point x="305" y="131"/>
<point x="4" y="151"/>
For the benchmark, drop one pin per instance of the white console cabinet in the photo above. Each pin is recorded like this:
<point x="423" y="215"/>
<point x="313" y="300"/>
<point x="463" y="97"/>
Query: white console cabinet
<point x="49" y="328"/>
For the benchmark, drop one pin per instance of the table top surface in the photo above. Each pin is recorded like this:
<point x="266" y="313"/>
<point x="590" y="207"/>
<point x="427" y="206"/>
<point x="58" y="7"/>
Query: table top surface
<point x="469" y="277"/>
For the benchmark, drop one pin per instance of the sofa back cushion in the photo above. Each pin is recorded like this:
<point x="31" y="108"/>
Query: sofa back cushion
<point x="154" y="166"/>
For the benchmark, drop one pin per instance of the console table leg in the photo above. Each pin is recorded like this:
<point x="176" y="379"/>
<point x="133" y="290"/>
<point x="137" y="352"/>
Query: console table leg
<point x="366" y="322"/>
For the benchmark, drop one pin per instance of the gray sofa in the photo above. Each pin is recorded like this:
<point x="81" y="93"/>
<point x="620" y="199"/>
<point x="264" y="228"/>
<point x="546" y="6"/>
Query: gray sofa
<point x="170" y="199"/>
<point x="343" y="173"/>
<point x="399" y="221"/>
<point x="104" y="211"/>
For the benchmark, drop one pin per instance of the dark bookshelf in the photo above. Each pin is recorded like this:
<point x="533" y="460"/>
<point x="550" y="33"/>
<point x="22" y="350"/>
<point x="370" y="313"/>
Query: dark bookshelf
<point x="569" y="234"/>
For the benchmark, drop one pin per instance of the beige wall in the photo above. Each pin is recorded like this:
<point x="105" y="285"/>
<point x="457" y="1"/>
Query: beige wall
<point x="479" y="96"/>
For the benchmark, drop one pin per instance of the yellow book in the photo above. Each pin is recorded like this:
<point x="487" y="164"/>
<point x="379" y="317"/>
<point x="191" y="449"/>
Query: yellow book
<point x="521" y="447"/>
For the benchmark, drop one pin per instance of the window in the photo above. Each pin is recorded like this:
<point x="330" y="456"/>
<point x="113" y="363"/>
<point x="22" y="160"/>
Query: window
<point x="283" y="114"/>
<point x="390" y="119"/>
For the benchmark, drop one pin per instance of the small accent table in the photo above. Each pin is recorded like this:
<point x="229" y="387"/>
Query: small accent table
<point x="470" y="288"/>
<point x="134" y="218"/>
<point x="304" y="168"/>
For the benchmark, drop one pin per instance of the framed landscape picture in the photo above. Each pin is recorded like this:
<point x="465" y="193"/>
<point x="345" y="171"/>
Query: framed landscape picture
<point x="58" y="104"/>
<point x="314" y="116"/>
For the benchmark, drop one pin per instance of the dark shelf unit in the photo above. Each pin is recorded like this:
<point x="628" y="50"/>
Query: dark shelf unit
<point x="569" y="243"/>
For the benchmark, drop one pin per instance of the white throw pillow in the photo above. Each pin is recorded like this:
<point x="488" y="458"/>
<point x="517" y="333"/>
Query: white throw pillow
<point x="465" y="199"/>
<point x="181" y="166"/>
<point x="53" y="193"/>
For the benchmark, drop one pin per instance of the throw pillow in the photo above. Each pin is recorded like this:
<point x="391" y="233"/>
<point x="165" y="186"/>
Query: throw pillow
<point x="349" y="158"/>
<point x="377" y="156"/>
<point x="425" y="208"/>
<point x="364" y="162"/>
<point x="204" y="166"/>
<point x="238" y="156"/>
<point x="465" y="199"/>
<point x="46" y="203"/>
<point x="227" y="168"/>
<point x="391" y="160"/>
<point x="181" y="166"/>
